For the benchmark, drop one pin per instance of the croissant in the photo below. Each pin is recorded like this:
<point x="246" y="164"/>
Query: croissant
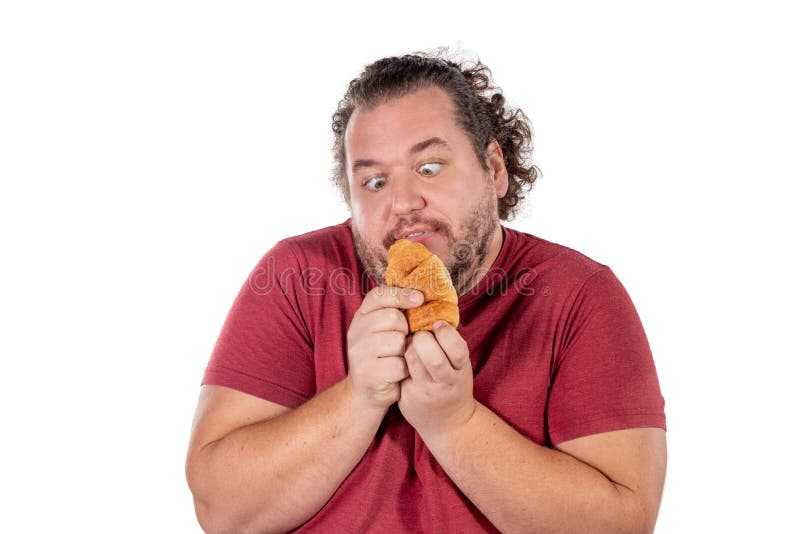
<point x="413" y="265"/>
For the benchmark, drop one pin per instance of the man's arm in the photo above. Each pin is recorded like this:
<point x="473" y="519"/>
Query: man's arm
<point x="608" y="482"/>
<point x="256" y="466"/>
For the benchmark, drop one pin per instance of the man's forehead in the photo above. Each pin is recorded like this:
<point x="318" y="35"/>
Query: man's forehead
<point x="401" y="125"/>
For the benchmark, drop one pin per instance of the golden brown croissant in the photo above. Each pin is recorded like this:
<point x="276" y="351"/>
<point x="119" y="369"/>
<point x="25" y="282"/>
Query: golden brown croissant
<point x="413" y="265"/>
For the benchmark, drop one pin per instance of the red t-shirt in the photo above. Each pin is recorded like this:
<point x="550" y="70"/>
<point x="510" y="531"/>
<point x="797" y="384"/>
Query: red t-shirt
<point x="557" y="349"/>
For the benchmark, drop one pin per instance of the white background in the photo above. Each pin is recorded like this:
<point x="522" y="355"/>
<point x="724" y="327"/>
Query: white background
<point x="151" y="152"/>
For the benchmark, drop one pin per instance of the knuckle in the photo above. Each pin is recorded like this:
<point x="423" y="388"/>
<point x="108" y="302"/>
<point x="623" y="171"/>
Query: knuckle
<point x="457" y="359"/>
<point x="370" y="299"/>
<point x="458" y="353"/>
<point x="398" y="340"/>
<point x="402" y="367"/>
<point x="398" y="318"/>
<point x="365" y="304"/>
<point x="395" y="368"/>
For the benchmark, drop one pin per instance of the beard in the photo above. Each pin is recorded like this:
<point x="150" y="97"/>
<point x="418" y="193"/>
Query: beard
<point x="468" y="245"/>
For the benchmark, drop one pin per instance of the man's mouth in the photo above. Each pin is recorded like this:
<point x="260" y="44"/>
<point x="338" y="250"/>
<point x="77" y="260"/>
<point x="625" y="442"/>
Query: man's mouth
<point x="421" y="232"/>
<point x="420" y="236"/>
<point x="410" y="233"/>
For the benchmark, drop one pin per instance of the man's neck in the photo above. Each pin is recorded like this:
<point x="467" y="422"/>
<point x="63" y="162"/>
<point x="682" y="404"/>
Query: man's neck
<point x="480" y="271"/>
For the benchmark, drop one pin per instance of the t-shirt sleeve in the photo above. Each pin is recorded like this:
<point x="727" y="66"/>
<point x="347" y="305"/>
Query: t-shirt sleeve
<point x="265" y="347"/>
<point x="604" y="377"/>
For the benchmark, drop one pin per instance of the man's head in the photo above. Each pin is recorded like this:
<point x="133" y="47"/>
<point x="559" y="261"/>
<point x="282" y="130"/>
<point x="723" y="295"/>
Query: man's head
<point x="422" y="143"/>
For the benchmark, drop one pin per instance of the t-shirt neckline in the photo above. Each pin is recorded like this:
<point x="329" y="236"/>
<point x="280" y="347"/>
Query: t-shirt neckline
<point x="493" y="275"/>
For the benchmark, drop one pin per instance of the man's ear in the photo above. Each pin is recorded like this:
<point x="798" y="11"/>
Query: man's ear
<point x="497" y="168"/>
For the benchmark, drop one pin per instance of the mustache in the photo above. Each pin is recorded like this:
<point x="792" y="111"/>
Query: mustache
<point x="433" y="224"/>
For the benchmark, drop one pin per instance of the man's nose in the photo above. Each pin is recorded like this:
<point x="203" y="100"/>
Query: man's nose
<point x="407" y="195"/>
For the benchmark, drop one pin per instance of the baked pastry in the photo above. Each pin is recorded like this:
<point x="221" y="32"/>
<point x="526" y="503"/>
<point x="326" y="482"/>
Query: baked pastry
<point x="413" y="265"/>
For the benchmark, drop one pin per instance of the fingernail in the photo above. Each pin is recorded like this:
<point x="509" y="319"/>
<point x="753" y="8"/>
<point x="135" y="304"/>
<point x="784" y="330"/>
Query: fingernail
<point x="416" y="297"/>
<point x="438" y="324"/>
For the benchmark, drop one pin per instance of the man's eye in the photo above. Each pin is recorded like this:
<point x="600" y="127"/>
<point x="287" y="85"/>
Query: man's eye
<point x="375" y="183"/>
<point x="429" y="169"/>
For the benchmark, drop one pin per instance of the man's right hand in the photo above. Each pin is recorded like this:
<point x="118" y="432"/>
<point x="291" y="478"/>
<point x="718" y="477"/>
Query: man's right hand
<point x="376" y="342"/>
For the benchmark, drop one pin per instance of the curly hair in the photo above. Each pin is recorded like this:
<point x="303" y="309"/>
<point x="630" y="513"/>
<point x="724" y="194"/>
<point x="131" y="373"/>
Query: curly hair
<point x="480" y="110"/>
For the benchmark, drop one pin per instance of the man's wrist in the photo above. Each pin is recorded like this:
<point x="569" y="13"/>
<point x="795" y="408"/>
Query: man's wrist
<point x="444" y="436"/>
<point x="357" y="404"/>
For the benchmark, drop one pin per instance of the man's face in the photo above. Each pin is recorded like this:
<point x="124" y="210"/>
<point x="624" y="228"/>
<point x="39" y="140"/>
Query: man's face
<point x="411" y="169"/>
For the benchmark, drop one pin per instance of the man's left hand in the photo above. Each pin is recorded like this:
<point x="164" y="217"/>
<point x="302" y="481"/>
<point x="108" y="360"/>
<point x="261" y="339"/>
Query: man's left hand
<point x="437" y="395"/>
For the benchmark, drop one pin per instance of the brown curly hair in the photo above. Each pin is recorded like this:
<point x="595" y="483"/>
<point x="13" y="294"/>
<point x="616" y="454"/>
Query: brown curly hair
<point x="480" y="109"/>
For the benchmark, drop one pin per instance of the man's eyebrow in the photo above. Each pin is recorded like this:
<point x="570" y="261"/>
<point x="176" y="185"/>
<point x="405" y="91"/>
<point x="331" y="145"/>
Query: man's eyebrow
<point x="362" y="164"/>
<point x="419" y="147"/>
<point x="433" y="141"/>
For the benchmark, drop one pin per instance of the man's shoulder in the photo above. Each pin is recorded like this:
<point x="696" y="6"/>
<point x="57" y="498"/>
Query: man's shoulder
<point x="556" y="259"/>
<point x="323" y="246"/>
<point x="335" y="232"/>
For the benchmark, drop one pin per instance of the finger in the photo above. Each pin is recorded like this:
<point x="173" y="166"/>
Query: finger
<point x="390" y="297"/>
<point x="416" y="369"/>
<point x="383" y="344"/>
<point x="432" y="356"/>
<point x="453" y="345"/>
<point x="393" y="368"/>
<point x="386" y="320"/>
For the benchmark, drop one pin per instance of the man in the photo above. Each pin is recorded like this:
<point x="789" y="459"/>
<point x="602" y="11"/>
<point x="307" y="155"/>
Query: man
<point x="541" y="412"/>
